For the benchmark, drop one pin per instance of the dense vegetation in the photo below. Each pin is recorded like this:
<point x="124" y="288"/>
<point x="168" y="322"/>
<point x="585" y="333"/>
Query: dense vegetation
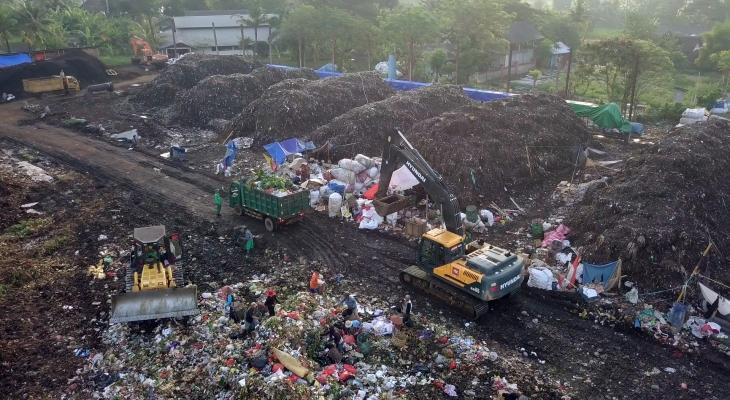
<point x="622" y="49"/>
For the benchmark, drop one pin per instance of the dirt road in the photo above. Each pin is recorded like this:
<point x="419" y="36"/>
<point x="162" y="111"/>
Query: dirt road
<point x="589" y="359"/>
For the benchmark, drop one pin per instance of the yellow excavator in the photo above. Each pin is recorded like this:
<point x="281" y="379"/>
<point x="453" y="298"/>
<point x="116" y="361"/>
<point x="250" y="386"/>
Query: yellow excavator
<point x="154" y="283"/>
<point x="464" y="275"/>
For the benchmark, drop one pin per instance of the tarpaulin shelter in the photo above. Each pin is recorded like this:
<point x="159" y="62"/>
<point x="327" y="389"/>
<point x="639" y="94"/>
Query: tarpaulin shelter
<point x="8" y="60"/>
<point x="606" y="274"/>
<point x="279" y="150"/>
<point x="607" y="116"/>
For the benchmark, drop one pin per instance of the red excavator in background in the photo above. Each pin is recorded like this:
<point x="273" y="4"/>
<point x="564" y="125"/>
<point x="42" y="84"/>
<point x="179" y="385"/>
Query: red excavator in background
<point x="143" y="54"/>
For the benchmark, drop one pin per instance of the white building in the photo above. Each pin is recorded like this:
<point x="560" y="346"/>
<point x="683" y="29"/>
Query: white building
<point x="211" y="32"/>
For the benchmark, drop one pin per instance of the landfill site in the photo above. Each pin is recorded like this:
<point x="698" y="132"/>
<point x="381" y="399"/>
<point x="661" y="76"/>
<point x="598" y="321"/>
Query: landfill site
<point x="227" y="229"/>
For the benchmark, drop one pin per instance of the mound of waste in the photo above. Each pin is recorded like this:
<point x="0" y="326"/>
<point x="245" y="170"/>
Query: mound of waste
<point x="660" y="212"/>
<point x="224" y="96"/>
<point x="87" y="69"/>
<point x="491" y="151"/>
<point x="290" y="109"/>
<point x="363" y="129"/>
<point x="188" y="71"/>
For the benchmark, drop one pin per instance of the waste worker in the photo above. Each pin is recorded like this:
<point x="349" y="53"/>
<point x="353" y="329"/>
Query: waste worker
<point x="315" y="283"/>
<point x="271" y="301"/>
<point x="333" y="354"/>
<point x="218" y="201"/>
<point x="335" y="337"/>
<point x="304" y="172"/>
<point x="248" y="241"/>
<point x="350" y="311"/>
<point x="251" y="317"/>
<point x="405" y="309"/>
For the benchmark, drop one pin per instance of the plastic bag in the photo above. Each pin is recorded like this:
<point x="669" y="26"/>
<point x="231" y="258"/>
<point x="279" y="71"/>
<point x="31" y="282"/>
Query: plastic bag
<point x="370" y="219"/>
<point x="344" y="175"/>
<point x="541" y="278"/>
<point x="487" y="216"/>
<point x="351" y="165"/>
<point x="365" y="160"/>
<point x="373" y="172"/>
<point x="314" y="197"/>
<point x="334" y="204"/>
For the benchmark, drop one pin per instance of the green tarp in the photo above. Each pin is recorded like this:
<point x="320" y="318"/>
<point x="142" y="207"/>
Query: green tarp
<point x="607" y="116"/>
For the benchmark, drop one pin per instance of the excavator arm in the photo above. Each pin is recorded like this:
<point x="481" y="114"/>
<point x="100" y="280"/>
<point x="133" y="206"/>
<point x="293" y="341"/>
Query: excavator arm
<point x="398" y="151"/>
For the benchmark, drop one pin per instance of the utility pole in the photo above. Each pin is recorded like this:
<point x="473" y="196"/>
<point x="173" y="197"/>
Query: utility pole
<point x="174" y="38"/>
<point x="268" y="38"/>
<point x="215" y="38"/>
<point x="567" y="77"/>
<point x="107" y="8"/>
<point x="509" y="67"/>
<point x="634" y="83"/>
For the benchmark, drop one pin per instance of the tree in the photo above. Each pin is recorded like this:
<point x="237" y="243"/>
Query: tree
<point x="473" y="29"/>
<point x="298" y="28"/>
<point x="8" y="24"/>
<point x="36" y="25"/>
<point x="535" y="74"/>
<point x="255" y="18"/>
<point x="409" y="28"/>
<point x="640" y="26"/>
<point x="717" y="40"/>
<point x="437" y="62"/>
<point x="626" y="67"/>
<point x="722" y="61"/>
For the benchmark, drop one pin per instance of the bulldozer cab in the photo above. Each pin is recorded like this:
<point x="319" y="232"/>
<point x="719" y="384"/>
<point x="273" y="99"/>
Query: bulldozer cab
<point x="151" y="245"/>
<point x="438" y="247"/>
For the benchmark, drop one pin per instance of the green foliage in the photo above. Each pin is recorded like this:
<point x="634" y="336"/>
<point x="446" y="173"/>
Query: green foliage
<point x="409" y="28"/>
<point x="667" y="112"/>
<point x="706" y="95"/>
<point x="264" y="181"/>
<point x="716" y="41"/>
<point x="640" y="26"/>
<point x="624" y="65"/>
<point x="535" y="74"/>
<point x="437" y="61"/>
<point x="543" y="52"/>
<point x="28" y="227"/>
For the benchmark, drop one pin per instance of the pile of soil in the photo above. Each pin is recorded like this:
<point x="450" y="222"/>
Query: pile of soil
<point x="224" y="96"/>
<point x="495" y="150"/>
<point x="188" y="71"/>
<point x="659" y="213"/>
<point x="363" y="129"/>
<point x="87" y="69"/>
<point x="289" y="109"/>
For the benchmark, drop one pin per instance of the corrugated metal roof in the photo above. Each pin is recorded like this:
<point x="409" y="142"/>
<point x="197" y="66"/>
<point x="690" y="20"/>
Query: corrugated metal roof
<point x="206" y="21"/>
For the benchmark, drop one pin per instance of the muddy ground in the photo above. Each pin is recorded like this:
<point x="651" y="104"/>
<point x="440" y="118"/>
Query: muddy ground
<point x="103" y="188"/>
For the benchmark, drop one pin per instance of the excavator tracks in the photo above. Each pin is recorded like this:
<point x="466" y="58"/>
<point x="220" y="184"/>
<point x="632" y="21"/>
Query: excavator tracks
<point x="424" y="282"/>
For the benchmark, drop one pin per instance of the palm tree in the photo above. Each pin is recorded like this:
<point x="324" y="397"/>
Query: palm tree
<point x="256" y="17"/>
<point x="8" y="24"/>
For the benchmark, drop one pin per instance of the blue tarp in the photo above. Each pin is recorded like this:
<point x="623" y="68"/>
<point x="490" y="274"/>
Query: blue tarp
<point x="599" y="273"/>
<point x="399" y="85"/>
<point x="279" y="150"/>
<point x="8" y="60"/>
<point x="292" y="146"/>
<point x="277" y="153"/>
<point x="328" y="68"/>
<point x="230" y="154"/>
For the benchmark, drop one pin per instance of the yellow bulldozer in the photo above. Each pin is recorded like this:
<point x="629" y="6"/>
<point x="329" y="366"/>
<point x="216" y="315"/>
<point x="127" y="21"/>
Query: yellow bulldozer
<point x="154" y="283"/>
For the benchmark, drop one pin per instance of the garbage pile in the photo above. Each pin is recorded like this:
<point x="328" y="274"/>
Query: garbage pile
<point x="186" y="72"/>
<point x="87" y="69"/>
<point x="501" y="148"/>
<point x="313" y="346"/>
<point x="660" y="212"/>
<point x="284" y="112"/>
<point x="364" y="128"/>
<point x="224" y="96"/>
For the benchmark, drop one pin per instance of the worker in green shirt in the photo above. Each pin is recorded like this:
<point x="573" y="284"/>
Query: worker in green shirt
<point x="218" y="202"/>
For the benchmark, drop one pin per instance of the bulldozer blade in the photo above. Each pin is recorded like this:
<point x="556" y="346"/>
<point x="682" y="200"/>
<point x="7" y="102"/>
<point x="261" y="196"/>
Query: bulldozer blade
<point x="154" y="304"/>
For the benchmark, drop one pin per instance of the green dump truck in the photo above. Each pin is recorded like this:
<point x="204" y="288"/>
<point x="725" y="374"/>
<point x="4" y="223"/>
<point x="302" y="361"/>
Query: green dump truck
<point x="274" y="206"/>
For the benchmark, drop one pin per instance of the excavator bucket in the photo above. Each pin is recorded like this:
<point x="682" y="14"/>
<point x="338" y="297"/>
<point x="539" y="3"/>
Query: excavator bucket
<point x="393" y="203"/>
<point x="155" y="304"/>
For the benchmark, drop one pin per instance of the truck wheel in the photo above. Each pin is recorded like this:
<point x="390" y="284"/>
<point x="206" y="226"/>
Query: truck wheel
<point x="269" y="224"/>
